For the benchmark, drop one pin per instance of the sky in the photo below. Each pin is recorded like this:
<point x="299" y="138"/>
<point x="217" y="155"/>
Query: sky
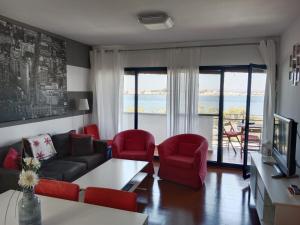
<point x="233" y="81"/>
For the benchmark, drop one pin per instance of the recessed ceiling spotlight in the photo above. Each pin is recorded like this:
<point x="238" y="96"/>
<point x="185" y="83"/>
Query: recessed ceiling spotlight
<point x="156" y="20"/>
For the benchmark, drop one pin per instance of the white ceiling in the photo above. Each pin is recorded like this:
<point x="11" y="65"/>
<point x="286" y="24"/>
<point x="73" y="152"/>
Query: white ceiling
<point x="113" y="22"/>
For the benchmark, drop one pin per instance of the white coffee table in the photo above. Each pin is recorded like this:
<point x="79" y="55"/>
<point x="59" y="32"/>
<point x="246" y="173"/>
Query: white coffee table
<point x="119" y="174"/>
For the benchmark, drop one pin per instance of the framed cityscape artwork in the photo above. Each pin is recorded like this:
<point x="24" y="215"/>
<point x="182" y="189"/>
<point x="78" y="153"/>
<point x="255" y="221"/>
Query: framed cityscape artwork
<point x="33" y="81"/>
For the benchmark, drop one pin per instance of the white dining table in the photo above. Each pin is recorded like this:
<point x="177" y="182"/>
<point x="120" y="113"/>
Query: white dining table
<point x="63" y="212"/>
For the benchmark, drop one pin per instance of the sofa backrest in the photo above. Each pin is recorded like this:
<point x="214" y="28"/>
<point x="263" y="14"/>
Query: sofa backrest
<point x="135" y="140"/>
<point x="62" y="143"/>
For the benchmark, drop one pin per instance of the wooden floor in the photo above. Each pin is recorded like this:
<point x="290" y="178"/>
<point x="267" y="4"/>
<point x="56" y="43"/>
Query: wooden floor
<point x="222" y="201"/>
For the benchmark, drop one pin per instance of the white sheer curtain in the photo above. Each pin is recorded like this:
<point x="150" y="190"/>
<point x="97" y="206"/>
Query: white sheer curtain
<point x="268" y="51"/>
<point x="182" y="98"/>
<point x="106" y="73"/>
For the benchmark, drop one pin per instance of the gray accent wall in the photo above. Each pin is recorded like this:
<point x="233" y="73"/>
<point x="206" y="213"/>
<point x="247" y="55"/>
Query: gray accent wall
<point x="77" y="53"/>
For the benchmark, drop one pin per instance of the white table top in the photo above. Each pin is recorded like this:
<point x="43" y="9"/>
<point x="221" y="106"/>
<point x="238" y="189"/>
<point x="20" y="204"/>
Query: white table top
<point x="62" y="212"/>
<point x="114" y="174"/>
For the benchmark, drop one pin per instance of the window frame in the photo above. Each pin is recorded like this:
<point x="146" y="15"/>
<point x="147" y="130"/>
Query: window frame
<point x="135" y="72"/>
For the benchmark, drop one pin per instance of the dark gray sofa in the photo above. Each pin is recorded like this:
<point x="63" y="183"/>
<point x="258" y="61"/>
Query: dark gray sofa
<point x="62" y="167"/>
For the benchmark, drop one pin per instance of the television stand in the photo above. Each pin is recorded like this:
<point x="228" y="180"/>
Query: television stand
<point x="273" y="202"/>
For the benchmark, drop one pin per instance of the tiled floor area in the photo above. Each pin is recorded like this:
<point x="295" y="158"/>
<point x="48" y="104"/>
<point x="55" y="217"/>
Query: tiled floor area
<point x="222" y="201"/>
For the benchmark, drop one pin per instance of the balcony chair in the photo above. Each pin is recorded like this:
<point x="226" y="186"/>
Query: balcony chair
<point x="183" y="159"/>
<point x="111" y="198"/>
<point x="58" y="189"/>
<point x="134" y="145"/>
<point x="230" y="133"/>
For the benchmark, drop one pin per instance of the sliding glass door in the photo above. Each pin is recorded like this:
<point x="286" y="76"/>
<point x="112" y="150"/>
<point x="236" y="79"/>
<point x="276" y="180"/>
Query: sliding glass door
<point x="234" y="115"/>
<point x="231" y="100"/>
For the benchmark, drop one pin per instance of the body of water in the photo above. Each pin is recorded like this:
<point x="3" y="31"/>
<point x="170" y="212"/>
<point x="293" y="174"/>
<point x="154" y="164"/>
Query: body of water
<point x="157" y="103"/>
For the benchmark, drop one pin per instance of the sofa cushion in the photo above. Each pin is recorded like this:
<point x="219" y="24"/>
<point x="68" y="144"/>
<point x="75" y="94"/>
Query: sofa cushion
<point x="187" y="149"/>
<point x="12" y="160"/>
<point x="134" y="155"/>
<point x="132" y="144"/>
<point x="180" y="161"/>
<point x="81" y="145"/>
<point x="69" y="171"/>
<point x="41" y="147"/>
<point x="62" y="144"/>
<point x="92" y="161"/>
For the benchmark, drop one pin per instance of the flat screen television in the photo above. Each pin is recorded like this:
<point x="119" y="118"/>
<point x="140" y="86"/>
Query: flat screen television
<point x="284" y="145"/>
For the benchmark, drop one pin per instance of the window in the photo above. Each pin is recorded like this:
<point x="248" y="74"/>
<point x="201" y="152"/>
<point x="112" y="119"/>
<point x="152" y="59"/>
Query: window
<point x="145" y="100"/>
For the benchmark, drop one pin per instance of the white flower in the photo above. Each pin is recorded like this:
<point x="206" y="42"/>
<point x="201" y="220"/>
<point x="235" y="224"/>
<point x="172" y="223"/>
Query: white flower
<point x="28" y="179"/>
<point x="27" y="161"/>
<point x="36" y="163"/>
<point x="32" y="163"/>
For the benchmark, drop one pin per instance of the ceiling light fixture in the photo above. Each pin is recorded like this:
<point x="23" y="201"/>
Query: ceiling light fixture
<point x="156" y="20"/>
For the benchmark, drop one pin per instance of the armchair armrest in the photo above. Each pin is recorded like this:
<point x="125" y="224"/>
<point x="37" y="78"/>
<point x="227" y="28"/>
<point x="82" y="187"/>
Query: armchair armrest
<point x="200" y="155"/>
<point x="150" y="146"/>
<point x="8" y="179"/>
<point x="117" y="145"/>
<point x="100" y="146"/>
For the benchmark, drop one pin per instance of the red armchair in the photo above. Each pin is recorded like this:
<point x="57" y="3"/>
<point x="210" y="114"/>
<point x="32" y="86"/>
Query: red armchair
<point x="93" y="130"/>
<point x="183" y="159"/>
<point x="134" y="145"/>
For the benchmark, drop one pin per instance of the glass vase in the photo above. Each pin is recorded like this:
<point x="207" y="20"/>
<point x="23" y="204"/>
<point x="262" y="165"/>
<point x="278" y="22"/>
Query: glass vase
<point x="29" y="209"/>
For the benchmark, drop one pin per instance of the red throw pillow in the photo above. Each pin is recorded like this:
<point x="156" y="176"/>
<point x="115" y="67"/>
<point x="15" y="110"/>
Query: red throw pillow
<point x="12" y="160"/>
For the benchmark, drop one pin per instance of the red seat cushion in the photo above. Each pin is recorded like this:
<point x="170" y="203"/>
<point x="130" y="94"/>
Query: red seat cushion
<point x="187" y="149"/>
<point x="58" y="189"/>
<point x="133" y="144"/>
<point x="181" y="161"/>
<point x="111" y="198"/>
<point x="12" y="160"/>
<point x="134" y="155"/>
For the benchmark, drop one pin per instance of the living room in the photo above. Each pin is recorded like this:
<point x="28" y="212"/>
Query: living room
<point x="149" y="112"/>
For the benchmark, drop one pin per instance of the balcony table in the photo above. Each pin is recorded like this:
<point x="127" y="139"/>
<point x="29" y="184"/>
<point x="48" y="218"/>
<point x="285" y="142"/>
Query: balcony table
<point x="63" y="212"/>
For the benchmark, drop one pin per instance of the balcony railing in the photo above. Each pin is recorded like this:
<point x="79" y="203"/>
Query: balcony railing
<point x="207" y="126"/>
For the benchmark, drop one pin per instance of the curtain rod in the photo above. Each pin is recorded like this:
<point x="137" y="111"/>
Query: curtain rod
<point x="196" y="46"/>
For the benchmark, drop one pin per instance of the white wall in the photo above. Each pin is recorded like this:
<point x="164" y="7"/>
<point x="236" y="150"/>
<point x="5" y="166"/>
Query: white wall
<point x="288" y="96"/>
<point x="77" y="80"/>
